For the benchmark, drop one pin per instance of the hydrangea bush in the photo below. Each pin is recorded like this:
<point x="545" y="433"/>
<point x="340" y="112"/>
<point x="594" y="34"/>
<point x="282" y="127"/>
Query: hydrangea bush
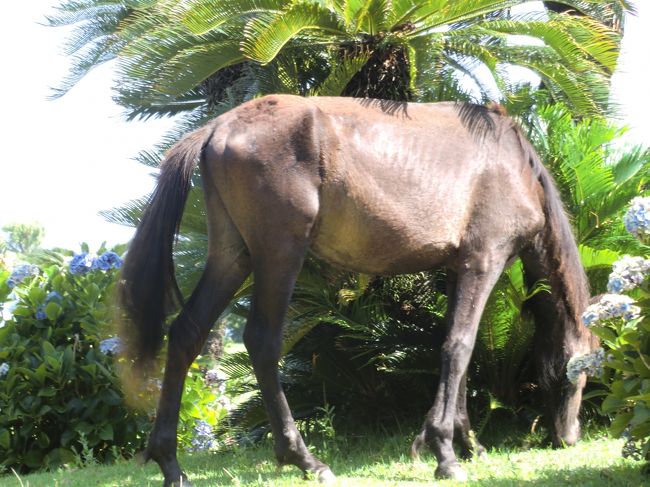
<point x="622" y="322"/>
<point x="59" y="389"/>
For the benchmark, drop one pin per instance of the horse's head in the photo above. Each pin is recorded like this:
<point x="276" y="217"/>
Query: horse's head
<point x="565" y="405"/>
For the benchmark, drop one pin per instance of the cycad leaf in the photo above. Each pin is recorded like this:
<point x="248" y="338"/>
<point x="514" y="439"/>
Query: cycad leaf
<point x="340" y="76"/>
<point x="371" y="18"/>
<point x="597" y="258"/>
<point x="203" y="16"/>
<point x="634" y="160"/>
<point x="266" y="35"/>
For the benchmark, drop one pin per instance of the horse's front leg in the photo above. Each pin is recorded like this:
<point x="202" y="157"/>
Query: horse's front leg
<point x="477" y="274"/>
<point x="274" y="280"/>
<point x="463" y="434"/>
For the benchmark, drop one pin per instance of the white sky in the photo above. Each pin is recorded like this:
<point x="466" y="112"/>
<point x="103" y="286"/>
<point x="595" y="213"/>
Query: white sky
<point x="63" y="161"/>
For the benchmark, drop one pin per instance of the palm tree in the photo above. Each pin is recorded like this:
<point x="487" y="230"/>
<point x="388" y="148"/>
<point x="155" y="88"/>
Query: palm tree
<point x="173" y="56"/>
<point x="201" y="57"/>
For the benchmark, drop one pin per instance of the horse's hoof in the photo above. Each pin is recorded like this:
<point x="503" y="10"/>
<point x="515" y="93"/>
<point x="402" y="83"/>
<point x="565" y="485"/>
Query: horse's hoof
<point x="326" y="477"/>
<point x="182" y="482"/>
<point x="178" y="483"/>
<point x="452" y="471"/>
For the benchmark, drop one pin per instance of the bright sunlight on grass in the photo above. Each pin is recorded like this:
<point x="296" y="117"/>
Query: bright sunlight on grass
<point x="369" y="462"/>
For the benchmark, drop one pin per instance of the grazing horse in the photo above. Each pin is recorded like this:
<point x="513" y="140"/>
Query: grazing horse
<point x="371" y="186"/>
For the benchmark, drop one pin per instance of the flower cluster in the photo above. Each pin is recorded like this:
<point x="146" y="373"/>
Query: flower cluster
<point x="637" y="218"/>
<point x="20" y="273"/>
<point x="84" y="262"/>
<point x="610" y="306"/>
<point x="40" y="311"/>
<point x="591" y="364"/>
<point x="4" y="369"/>
<point x="111" y="345"/>
<point x="81" y="263"/>
<point x="203" y="437"/>
<point x="627" y="273"/>
<point x="214" y="377"/>
<point x="108" y="260"/>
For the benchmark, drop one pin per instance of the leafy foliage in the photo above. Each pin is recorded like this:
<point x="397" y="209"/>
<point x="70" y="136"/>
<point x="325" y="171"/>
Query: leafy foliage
<point x="627" y="367"/>
<point x="60" y="390"/>
<point x="61" y="400"/>
<point x="23" y="238"/>
<point x="172" y="55"/>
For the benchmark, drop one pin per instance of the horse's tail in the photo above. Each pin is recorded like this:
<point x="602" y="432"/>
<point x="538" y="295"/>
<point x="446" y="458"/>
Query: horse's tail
<point x="147" y="290"/>
<point x="554" y="255"/>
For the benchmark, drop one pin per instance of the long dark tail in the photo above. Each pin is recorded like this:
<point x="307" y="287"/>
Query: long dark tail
<point x="147" y="290"/>
<point x="554" y="256"/>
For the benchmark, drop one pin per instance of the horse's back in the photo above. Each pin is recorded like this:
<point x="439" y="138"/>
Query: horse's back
<point x="408" y="184"/>
<point x="379" y="187"/>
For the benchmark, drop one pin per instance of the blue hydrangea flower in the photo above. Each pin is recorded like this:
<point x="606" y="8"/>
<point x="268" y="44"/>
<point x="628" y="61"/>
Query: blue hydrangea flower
<point x="627" y="273"/>
<point x="20" y="273"/>
<point x="40" y="312"/>
<point x="214" y="377"/>
<point x="589" y="317"/>
<point x="111" y="345"/>
<point x="611" y="306"/>
<point x="81" y="263"/>
<point x="591" y="364"/>
<point x="4" y="369"/>
<point x="203" y="437"/>
<point x="108" y="260"/>
<point x="637" y="218"/>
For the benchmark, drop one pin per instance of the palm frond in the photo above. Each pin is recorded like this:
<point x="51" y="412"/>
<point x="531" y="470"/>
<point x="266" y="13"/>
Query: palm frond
<point x="266" y="34"/>
<point x="340" y="75"/>
<point x="203" y="16"/>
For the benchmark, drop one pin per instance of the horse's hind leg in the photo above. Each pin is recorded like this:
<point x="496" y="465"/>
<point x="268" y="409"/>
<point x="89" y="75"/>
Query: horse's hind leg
<point x="226" y="268"/>
<point x="478" y="272"/>
<point x="275" y="270"/>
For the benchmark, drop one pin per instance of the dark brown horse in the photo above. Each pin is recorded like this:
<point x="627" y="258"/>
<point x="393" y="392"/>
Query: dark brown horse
<point x="375" y="187"/>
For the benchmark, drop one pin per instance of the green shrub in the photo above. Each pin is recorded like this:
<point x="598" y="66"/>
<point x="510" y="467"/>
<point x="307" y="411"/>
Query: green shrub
<point x="60" y="396"/>
<point x="622" y="322"/>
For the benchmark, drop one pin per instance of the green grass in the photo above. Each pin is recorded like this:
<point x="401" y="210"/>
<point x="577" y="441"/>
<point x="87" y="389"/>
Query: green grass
<point x="595" y="461"/>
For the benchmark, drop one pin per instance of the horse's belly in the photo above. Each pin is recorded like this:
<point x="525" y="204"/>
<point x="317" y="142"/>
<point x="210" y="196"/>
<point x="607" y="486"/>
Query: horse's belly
<point x="375" y="245"/>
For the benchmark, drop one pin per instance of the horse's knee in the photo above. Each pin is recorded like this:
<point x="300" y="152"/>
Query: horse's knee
<point x="264" y="347"/>
<point x="458" y="348"/>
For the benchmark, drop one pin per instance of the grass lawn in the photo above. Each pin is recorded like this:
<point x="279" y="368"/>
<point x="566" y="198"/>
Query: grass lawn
<point x="596" y="461"/>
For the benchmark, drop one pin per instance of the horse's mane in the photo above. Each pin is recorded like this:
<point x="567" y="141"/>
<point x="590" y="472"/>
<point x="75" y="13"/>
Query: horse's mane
<point x="556" y="255"/>
<point x="483" y="120"/>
